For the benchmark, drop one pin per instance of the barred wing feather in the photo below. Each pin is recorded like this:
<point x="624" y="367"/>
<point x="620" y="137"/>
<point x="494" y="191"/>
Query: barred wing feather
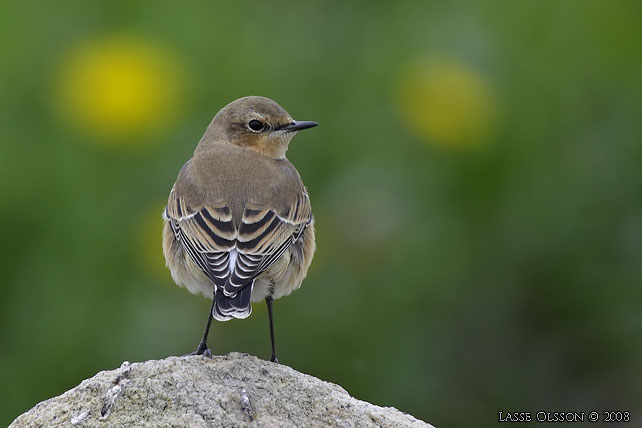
<point x="262" y="239"/>
<point x="209" y="235"/>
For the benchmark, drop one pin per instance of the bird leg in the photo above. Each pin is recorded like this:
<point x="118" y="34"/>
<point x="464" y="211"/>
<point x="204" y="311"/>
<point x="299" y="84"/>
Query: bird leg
<point x="269" y="302"/>
<point x="202" y="348"/>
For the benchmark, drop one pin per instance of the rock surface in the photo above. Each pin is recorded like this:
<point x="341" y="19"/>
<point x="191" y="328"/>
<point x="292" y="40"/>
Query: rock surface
<point x="235" y="390"/>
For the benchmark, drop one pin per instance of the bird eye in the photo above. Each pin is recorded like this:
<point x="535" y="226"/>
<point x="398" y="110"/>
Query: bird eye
<point x="255" y="125"/>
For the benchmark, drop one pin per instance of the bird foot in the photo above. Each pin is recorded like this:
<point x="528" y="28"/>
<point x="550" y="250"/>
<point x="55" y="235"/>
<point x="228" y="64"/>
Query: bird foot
<point x="274" y="359"/>
<point x="201" y="350"/>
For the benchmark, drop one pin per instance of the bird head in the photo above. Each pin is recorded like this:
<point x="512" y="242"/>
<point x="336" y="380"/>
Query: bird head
<point x="255" y="123"/>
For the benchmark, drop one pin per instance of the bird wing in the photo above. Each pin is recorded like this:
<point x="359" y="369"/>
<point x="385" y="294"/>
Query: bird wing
<point x="263" y="236"/>
<point x="207" y="234"/>
<point x="212" y="240"/>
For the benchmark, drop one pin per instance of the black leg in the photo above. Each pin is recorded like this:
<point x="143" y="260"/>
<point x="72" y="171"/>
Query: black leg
<point x="202" y="347"/>
<point x="269" y="302"/>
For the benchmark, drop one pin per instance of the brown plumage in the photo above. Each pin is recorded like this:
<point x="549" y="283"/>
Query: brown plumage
<point x="238" y="223"/>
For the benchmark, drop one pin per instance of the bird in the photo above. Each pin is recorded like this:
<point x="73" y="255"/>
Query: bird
<point x="238" y="225"/>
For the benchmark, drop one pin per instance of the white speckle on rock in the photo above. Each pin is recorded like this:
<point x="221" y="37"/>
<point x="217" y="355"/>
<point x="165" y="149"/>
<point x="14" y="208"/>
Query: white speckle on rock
<point x="110" y="398"/>
<point x="79" y="417"/>
<point x="246" y="405"/>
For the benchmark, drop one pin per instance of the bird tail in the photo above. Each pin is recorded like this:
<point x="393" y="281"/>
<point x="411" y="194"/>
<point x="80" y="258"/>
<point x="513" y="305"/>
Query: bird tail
<point x="236" y="306"/>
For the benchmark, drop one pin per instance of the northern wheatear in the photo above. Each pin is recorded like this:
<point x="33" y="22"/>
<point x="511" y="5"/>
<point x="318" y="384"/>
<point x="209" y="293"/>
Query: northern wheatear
<point x="238" y="222"/>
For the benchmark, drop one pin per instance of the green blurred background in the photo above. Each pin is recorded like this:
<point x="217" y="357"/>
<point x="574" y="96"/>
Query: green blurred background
<point x="476" y="181"/>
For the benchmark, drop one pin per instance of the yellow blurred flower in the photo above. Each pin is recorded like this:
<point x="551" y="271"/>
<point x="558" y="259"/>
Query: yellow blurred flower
<point x="446" y="102"/>
<point x="148" y="244"/>
<point x="119" y="88"/>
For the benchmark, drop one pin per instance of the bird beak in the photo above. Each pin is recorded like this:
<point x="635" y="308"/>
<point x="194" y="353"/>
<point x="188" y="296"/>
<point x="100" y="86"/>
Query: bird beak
<point x="298" y="125"/>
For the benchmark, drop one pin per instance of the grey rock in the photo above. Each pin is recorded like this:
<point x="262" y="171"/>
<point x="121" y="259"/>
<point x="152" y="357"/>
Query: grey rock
<point x="234" y="390"/>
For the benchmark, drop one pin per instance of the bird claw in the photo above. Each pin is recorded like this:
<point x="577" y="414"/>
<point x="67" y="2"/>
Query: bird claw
<point x="201" y="350"/>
